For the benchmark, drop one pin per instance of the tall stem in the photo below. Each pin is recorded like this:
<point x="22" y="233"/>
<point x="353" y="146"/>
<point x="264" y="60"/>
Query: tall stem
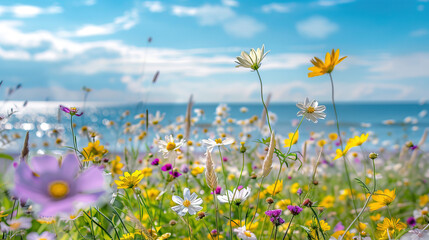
<point x="341" y="143"/>
<point x="257" y="201"/>
<point x="367" y="201"/>
<point x="227" y="195"/>
<point x="288" y="151"/>
<point x="290" y="222"/>
<point x="262" y="99"/>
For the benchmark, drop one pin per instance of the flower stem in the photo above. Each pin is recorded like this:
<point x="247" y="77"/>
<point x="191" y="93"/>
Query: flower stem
<point x="290" y="222"/>
<point x="226" y="191"/>
<point x="288" y="151"/>
<point x="318" y="221"/>
<point x="341" y="142"/>
<point x="257" y="202"/>
<point x="366" y="203"/>
<point x="262" y="99"/>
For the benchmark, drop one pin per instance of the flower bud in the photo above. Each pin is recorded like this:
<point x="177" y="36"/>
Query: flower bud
<point x="172" y="223"/>
<point x="270" y="200"/>
<point x="373" y="156"/>
<point x="307" y="203"/>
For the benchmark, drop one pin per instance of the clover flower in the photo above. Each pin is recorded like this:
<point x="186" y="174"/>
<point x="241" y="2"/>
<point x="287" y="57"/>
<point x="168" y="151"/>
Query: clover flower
<point x="189" y="204"/>
<point x="275" y="216"/>
<point x="57" y="187"/>
<point x="295" y="210"/>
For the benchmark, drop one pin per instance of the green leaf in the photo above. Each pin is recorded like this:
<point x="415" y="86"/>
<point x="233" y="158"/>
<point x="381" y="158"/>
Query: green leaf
<point x="6" y="156"/>
<point x="363" y="185"/>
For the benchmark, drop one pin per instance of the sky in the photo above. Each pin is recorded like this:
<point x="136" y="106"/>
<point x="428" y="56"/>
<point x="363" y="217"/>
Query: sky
<point x="54" y="48"/>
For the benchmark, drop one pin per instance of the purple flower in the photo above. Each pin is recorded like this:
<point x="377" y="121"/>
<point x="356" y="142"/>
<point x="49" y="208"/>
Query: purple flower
<point x="299" y="191"/>
<point x="218" y="190"/>
<point x="414" y="147"/>
<point x="72" y="111"/>
<point x="225" y="159"/>
<point x="411" y="221"/>
<point x="166" y="167"/>
<point x="295" y="210"/>
<point x="275" y="216"/>
<point x="175" y="173"/>
<point x="57" y="188"/>
<point x="240" y="187"/>
<point x="289" y="177"/>
<point x="155" y="162"/>
<point x="184" y="168"/>
<point x="339" y="227"/>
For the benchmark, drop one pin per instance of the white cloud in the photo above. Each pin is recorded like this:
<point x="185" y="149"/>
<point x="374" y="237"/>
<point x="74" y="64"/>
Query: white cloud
<point x="408" y="66"/>
<point x="211" y="15"/>
<point x="329" y="3"/>
<point x="419" y="32"/>
<point x="316" y="27"/>
<point x="154" y="6"/>
<point x="231" y="3"/>
<point x="245" y="27"/>
<point x="278" y="7"/>
<point x="89" y="2"/>
<point x="125" y="22"/>
<point x="29" y="11"/>
<point x="420" y="7"/>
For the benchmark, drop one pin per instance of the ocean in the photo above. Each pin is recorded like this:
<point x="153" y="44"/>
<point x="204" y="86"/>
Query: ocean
<point x="407" y="120"/>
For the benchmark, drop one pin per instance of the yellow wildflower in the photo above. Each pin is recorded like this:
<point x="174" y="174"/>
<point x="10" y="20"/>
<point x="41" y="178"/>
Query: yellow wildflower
<point x="358" y="141"/>
<point x="278" y="188"/>
<point x="94" y="150"/>
<point x="197" y="170"/>
<point x="392" y="225"/>
<point x="382" y="198"/>
<point x="117" y="166"/>
<point x="294" y="188"/>
<point x="327" y="202"/>
<point x="333" y="136"/>
<point x="282" y="204"/>
<point x="338" y="234"/>
<point x="423" y="200"/>
<point x="320" y="67"/>
<point x="129" y="181"/>
<point x="147" y="172"/>
<point x="375" y="217"/>
<point x="289" y="140"/>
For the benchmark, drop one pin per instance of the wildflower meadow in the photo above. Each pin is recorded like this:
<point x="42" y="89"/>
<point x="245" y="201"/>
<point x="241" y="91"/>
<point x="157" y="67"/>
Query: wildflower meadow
<point x="231" y="179"/>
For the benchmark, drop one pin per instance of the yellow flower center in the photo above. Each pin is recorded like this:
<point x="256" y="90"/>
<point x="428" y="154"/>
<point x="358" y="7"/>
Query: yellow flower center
<point x="171" y="146"/>
<point x="186" y="203"/>
<point x="43" y="239"/>
<point x="218" y="141"/>
<point x="15" y="225"/>
<point x="247" y="233"/>
<point x="425" y="212"/>
<point x="58" y="189"/>
<point x="310" y="109"/>
<point x="155" y="122"/>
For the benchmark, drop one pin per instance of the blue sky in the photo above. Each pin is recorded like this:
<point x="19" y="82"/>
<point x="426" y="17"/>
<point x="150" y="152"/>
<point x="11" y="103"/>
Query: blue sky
<point x="54" y="48"/>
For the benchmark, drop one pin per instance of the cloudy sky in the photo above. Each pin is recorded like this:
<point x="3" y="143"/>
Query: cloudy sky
<point x="54" y="48"/>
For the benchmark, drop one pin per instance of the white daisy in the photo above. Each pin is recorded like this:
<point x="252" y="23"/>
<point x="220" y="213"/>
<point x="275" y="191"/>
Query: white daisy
<point x="244" y="234"/>
<point x="416" y="234"/>
<point x="189" y="203"/>
<point x="16" y="224"/>
<point x="42" y="236"/>
<point x="420" y="213"/>
<point x="217" y="142"/>
<point x="311" y="110"/>
<point x="169" y="147"/>
<point x="252" y="59"/>
<point x="155" y="119"/>
<point x="239" y="197"/>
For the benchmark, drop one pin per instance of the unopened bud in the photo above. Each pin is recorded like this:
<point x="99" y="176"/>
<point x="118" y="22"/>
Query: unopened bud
<point x="373" y="156"/>
<point x="270" y="200"/>
<point x="307" y="203"/>
<point x="173" y="222"/>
